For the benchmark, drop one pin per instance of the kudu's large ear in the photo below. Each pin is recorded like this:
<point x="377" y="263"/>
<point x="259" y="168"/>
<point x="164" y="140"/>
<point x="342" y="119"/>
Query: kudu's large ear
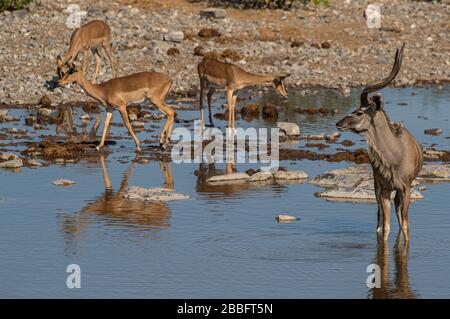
<point x="377" y="102"/>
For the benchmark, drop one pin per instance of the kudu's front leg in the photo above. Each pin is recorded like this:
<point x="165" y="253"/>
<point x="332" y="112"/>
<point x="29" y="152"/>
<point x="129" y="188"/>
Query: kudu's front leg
<point x="386" y="209"/>
<point x="405" y="207"/>
<point x="379" y="212"/>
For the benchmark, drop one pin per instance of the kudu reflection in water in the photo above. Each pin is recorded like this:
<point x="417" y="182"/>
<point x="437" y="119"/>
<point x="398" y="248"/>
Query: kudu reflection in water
<point x="111" y="207"/>
<point x="399" y="286"/>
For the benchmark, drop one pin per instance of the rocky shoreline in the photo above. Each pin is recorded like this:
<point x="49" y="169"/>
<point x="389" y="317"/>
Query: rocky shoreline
<point x="319" y="45"/>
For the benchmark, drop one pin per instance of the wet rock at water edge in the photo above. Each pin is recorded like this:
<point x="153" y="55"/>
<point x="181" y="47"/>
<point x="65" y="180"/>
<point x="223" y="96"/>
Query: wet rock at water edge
<point x="225" y="178"/>
<point x="433" y="131"/>
<point x="270" y="111"/>
<point x="63" y="182"/>
<point x="359" y="194"/>
<point x="286" y="218"/>
<point x="8" y="156"/>
<point x="3" y="114"/>
<point x="216" y="13"/>
<point x="153" y="194"/>
<point x="260" y="177"/>
<point x="289" y="129"/>
<point x="290" y="175"/>
<point x="435" y="172"/>
<point x="14" y="163"/>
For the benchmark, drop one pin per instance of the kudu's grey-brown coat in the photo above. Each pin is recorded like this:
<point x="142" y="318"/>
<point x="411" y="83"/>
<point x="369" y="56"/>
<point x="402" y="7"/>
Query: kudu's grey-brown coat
<point x="395" y="155"/>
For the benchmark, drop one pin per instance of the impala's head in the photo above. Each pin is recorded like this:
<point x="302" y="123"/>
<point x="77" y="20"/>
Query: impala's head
<point x="61" y="67"/>
<point x="70" y="76"/>
<point x="363" y="117"/>
<point x="278" y="84"/>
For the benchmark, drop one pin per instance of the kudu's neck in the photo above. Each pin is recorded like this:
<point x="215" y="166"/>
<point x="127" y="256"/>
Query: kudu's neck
<point x="384" y="146"/>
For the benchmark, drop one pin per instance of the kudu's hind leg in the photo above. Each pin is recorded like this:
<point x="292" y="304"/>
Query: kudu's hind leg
<point x="406" y="196"/>
<point x="398" y="201"/>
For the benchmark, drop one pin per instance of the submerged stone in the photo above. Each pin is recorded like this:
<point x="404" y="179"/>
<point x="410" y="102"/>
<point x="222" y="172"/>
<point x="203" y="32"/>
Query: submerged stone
<point x="228" y="177"/>
<point x="153" y="194"/>
<point x="63" y="182"/>
<point x="286" y="218"/>
<point x="357" y="194"/>
<point x="14" y="163"/>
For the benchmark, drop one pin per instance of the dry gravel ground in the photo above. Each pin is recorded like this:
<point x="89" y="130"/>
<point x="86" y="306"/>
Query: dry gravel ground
<point x="259" y="41"/>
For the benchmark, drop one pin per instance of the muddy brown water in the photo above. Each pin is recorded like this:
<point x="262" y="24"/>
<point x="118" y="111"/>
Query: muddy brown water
<point x="224" y="241"/>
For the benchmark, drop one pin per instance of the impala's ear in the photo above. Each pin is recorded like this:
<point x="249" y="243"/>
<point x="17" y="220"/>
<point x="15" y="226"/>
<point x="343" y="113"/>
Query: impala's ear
<point x="377" y="102"/>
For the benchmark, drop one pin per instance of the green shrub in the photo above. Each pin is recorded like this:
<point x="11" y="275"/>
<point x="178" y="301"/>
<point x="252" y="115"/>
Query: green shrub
<point x="13" y="4"/>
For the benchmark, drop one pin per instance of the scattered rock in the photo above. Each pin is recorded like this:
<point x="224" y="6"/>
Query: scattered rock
<point x="296" y="44"/>
<point x="173" y="51"/>
<point x="3" y="114"/>
<point x="138" y="124"/>
<point x="347" y="143"/>
<point x="270" y="111"/>
<point x="15" y="163"/>
<point x="8" y="156"/>
<point x="216" y="13"/>
<point x="290" y="175"/>
<point x="45" y="112"/>
<point x="332" y="137"/>
<point x="433" y="131"/>
<point x="153" y="194"/>
<point x="286" y="218"/>
<point x="209" y="33"/>
<point x="174" y="36"/>
<point x="435" y="172"/>
<point x="29" y="120"/>
<point x="289" y="129"/>
<point x="63" y="182"/>
<point x="260" y="176"/>
<point x="32" y="162"/>
<point x="359" y="194"/>
<point x="325" y="45"/>
<point x="228" y="178"/>
<point x="250" y="110"/>
<point x="314" y="136"/>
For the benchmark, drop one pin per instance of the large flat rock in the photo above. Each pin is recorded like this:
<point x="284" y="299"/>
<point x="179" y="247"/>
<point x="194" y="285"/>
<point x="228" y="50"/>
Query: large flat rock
<point x="358" y="194"/>
<point x="153" y="194"/>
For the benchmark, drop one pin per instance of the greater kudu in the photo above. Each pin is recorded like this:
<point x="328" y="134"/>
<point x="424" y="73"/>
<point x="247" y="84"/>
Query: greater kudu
<point x="395" y="155"/>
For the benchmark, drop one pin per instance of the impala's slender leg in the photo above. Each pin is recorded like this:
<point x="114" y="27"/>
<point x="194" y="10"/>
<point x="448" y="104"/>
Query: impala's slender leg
<point x="166" y="132"/>
<point x="405" y="207"/>
<point x="168" y="178"/>
<point x="209" y="97"/>
<point x="108" y="50"/>
<point x="233" y="114"/>
<point x="380" y="211"/>
<point x="202" y="87"/>
<point x="106" y="179"/>
<point x="109" y="113"/>
<point x="98" y="61"/>
<point x="85" y="61"/>
<point x="123" y="111"/>
<point x="94" y="129"/>
<point x="386" y="208"/>
<point x="230" y="106"/>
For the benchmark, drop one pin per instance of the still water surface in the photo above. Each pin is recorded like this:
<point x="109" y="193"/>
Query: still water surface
<point x="224" y="241"/>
